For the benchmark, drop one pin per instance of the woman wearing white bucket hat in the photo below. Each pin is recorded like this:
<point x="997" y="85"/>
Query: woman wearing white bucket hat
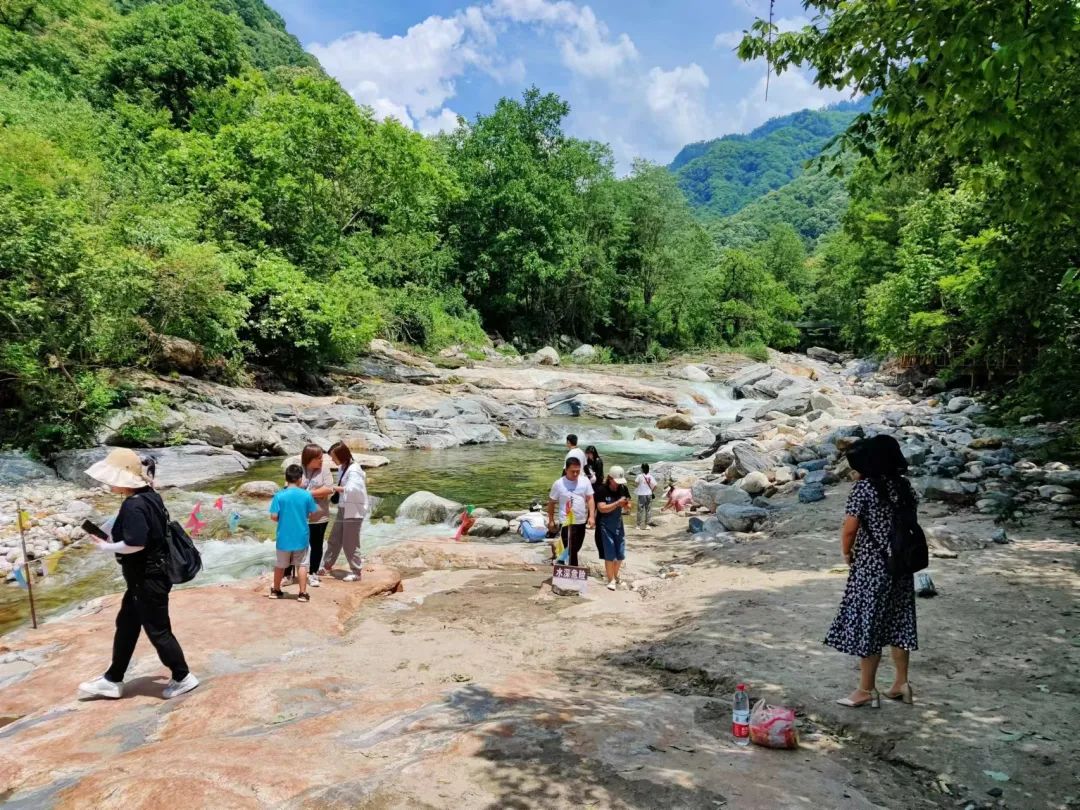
<point x="142" y="551"/>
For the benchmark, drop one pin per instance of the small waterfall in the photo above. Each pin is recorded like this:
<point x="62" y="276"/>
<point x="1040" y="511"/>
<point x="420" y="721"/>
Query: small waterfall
<point x="710" y="402"/>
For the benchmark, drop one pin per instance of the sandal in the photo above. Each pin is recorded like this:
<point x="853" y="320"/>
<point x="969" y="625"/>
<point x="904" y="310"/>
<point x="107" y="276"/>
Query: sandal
<point x="905" y="694"/>
<point x="874" y="701"/>
<point x="303" y="597"/>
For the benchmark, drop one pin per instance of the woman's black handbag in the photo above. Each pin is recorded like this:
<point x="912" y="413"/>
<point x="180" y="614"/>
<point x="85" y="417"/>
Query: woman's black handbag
<point x="183" y="561"/>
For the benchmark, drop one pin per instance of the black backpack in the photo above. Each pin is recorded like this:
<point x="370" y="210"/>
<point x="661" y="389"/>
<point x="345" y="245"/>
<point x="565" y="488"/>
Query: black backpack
<point x="908" y="552"/>
<point x="182" y="561"/>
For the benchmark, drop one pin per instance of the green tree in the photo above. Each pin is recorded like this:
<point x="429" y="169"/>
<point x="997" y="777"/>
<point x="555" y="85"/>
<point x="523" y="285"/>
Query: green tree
<point x="518" y="229"/>
<point x="166" y="54"/>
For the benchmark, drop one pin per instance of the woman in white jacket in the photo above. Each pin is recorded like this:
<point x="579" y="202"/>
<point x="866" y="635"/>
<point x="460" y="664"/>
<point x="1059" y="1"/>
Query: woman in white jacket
<point x="352" y="500"/>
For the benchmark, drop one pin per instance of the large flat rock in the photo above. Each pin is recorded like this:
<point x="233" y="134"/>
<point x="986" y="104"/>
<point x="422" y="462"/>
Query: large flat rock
<point x="181" y="466"/>
<point x="442" y="555"/>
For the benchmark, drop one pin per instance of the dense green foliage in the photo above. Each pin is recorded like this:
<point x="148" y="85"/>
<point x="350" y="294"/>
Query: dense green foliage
<point x="721" y="177"/>
<point x="961" y="247"/>
<point x="183" y="168"/>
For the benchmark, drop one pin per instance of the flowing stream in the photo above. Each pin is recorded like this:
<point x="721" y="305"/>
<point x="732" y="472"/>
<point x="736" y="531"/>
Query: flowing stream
<point x="508" y="475"/>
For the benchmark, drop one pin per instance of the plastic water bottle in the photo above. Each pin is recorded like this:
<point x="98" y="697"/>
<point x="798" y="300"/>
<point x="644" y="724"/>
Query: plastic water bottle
<point x="740" y="716"/>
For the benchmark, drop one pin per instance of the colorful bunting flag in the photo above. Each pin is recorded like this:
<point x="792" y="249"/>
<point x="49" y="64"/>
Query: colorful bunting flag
<point x="219" y="504"/>
<point x="20" y="576"/>
<point x="24" y="521"/>
<point x="194" y="525"/>
<point x="234" y="522"/>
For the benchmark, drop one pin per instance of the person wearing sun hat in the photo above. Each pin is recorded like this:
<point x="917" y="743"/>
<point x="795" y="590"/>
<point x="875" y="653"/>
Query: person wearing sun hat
<point x="142" y="551"/>
<point x="612" y="499"/>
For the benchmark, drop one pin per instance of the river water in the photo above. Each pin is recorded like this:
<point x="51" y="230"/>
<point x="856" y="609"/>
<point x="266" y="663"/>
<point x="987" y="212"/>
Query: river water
<point x="507" y="475"/>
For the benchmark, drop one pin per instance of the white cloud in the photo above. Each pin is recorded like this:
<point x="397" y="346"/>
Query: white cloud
<point x="677" y="98"/>
<point x="641" y="110"/>
<point x="445" y="121"/>
<point x="728" y="39"/>
<point x="407" y="76"/>
<point x="789" y="92"/>
<point x="411" y="76"/>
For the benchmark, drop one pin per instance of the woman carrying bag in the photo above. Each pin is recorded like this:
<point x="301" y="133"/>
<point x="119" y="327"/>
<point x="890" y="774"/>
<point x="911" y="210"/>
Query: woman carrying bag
<point x="351" y="496"/>
<point x="143" y="553"/>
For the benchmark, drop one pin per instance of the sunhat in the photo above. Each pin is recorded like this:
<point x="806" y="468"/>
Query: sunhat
<point x="121" y="468"/>
<point x="618" y="474"/>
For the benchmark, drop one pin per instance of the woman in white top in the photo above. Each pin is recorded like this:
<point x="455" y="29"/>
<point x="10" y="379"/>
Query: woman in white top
<point x="646" y="486"/>
<point x="352" y="501"/>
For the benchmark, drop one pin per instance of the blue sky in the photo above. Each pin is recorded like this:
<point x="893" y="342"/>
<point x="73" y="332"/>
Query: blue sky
<point x="645" y="77"/>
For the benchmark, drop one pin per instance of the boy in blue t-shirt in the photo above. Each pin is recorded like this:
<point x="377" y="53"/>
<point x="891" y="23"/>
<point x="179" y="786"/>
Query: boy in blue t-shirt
<point x="289" y="510"/>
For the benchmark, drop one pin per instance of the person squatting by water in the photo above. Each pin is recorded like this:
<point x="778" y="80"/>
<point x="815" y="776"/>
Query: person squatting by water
<point x="571" y="500"/>
<point x="612" y="501"/>
<point x="290" y="509"/>
<point x="351" y="496"/>
<point x="878" y="607"/>
<point x="142" y="550"/>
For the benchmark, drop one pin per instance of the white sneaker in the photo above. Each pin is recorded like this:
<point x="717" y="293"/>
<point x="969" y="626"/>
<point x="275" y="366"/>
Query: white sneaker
<point x="174" y="688"/>
<point x="351" y="578"/>
<point x="102" y="687"/>
<point x="612" y="586"/>
<point x="313" y="580"/>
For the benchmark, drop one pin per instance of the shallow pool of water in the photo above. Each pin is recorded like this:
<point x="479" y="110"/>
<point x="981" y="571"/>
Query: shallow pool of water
<point x="495" y="476"/>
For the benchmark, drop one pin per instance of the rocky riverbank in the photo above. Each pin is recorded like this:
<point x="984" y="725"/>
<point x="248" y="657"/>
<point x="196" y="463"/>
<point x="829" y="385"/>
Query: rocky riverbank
<point x="475" y="684"/>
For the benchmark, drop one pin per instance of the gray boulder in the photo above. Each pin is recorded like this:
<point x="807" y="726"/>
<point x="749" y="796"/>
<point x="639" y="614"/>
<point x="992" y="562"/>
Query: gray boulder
<point x="1064" y="478"/>
<point x="257" y="490"/>
<point x="823" y="477"/>
<point x="694" y="374"/>
<point x="933" y="385"/>
<point x="755" y="483"/>
<point x="18" y="468"/>
<point x="740" y="518"/>
<point x="583" y="354"/>
<point x="547" y="356"/>
<point x="949" y="491"/>
<point x="795" y="405"/>
<point x="711" y="494"/>
<point x="749" y="375"/>
<point x="820" y="402"/>
<point x="824" y="355"/>
<point x="489" y="527"/>
<point x="704" y="525"/>
<point x="810" y="493"/>
<point x="427" y="507"/>
<point x="957" y="404"/>
<point x="746" y="459"/>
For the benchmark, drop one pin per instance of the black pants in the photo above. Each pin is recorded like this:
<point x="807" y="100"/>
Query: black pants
<point x="316" y="534"/>
<point x="573" y="538"/>
<point x="146" y="607"/>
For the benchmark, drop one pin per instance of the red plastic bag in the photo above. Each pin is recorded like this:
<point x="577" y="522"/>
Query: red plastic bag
<point x="773" y="726"/>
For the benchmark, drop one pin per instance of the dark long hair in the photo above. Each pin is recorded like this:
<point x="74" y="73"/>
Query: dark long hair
<point x="880" y="461"/>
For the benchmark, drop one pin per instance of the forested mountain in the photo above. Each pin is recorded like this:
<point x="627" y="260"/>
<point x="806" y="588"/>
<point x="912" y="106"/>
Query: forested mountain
<point x="722" y="176"/>
<point x="813" y="204"/>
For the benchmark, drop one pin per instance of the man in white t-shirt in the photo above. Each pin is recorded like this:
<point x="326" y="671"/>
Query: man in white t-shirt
<point x="644" y="490"/>
<point x="574" y="451"/>
<point x="571" y="506"/>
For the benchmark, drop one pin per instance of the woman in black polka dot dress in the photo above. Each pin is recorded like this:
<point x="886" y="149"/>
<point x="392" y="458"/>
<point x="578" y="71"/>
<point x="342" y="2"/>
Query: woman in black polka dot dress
<point x="878" y="608"/>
